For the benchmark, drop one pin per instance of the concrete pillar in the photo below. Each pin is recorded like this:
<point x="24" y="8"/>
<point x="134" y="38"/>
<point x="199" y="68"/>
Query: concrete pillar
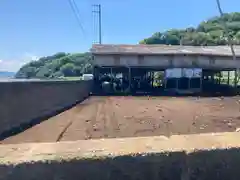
<point x="95" y="74"/>
<point x="212" y="76"/>
<point x="111" y="73"/>
<point x="177" y="83"/>
<point x="235" y="78"/>
<point x="165" y="80"/>
<point x="201" y="81"/>
<point x="152" y="78"/>
<point x="111" y="83"/>
<point x="219" y="77"/>
<point x="228" y="77"/>
<point x="189" y="83"/>
<point x="129" y="78"/>
<point x="96" y="79"/>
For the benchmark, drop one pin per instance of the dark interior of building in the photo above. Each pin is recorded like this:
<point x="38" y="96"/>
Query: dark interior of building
<point x="123" y="80"/>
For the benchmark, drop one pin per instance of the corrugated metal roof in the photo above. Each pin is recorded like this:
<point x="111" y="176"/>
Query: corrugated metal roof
<point x="163" y="49"/>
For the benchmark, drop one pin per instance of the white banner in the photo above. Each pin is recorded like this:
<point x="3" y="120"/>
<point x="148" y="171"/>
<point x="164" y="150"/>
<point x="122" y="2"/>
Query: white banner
<point x="183" y="72"/>
<point x="173" y="73"/>
<point x="188" y="73"/>
<point x="197" y="72"/>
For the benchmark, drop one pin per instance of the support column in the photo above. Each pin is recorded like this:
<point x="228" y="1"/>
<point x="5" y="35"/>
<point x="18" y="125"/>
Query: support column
<point x="95" y="79"/>
<point x="165" y="80"/>
<point x="212" y="77"/>
<point x="228" y="77"/>
<point x="152" y="78"/>
<point x="111" y="72"/>
<point x="95" y="74"/>
<point x="129" y="79"/>
<point x="189" y="83"/>
<point x="219" y="78"/>
<point x="177" y="84"/>
<point x="235" y="78"/>
<point x="201" y="77"/>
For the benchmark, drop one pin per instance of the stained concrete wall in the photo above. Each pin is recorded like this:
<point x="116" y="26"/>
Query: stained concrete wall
<point x="26" y="103"/>
<point x="191" y="157"/>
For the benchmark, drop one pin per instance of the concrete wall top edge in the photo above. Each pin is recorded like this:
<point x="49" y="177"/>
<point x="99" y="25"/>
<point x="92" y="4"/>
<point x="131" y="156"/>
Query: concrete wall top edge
<point x="44" y="82"/>
<point x="22" y="153"/>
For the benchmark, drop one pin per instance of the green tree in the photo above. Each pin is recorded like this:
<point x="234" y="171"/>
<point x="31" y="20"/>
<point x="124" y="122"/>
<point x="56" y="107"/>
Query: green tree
<point x="26" y="72"/>
<point x="207" y="33"/>
<point x="57" y="65"/>
<point x="68" y="70"/>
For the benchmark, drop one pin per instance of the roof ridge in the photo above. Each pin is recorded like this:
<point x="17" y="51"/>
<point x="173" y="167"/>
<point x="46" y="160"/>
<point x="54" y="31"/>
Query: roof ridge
<point x="158" y="45"/>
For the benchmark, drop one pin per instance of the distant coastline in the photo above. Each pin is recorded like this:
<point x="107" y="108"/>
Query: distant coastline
<point x="6" y="75"/>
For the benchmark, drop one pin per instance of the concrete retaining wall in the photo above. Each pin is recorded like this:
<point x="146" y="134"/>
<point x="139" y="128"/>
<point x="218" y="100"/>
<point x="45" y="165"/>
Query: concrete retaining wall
<point x="191" y="157"/>
<point x="23" y="104"/>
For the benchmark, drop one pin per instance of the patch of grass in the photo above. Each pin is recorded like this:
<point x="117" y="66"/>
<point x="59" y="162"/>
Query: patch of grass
<point x="72" y="78"/>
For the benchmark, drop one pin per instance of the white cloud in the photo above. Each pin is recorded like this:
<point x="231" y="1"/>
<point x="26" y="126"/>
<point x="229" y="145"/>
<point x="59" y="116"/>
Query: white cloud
<point x="30" y="57"/>
<point x="11" y="65"/>
<point x="15" y="65"/>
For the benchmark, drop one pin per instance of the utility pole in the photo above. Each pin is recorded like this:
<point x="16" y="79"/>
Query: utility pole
<point x="97" y="10"/>
<point x="229" y="39"/>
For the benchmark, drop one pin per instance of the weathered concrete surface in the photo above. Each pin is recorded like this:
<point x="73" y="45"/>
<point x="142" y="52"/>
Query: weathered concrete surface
<point x="166" y="61"/>
<point x="23" y="103"/>
<point x="185" y="157"/>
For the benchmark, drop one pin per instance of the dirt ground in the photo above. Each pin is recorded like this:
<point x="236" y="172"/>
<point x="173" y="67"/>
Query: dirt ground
<point x="110" y="117"/>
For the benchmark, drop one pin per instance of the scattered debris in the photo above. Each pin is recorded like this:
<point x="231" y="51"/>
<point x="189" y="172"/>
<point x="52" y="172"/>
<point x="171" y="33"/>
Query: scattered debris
<point x="159" y="109"/>
<point x="169" y="121"/>
<point x="229" y="124"/>
<point x="202" y="127"/>
<point x="238" y="130"/>
<point x="128" y="117"/>
<point x="195" y="117"/>
<point x="95" y="127"/>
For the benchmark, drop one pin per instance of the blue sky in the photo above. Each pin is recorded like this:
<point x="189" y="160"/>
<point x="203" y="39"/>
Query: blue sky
<point x="35" y="28"/>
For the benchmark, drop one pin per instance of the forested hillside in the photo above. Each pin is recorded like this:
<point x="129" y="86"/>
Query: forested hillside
<point x="206" y="33"/>
<point x="58" y="65"/>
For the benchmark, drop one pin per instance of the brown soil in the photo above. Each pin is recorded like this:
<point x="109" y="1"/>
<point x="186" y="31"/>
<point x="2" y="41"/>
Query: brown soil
<point x="110" y="117"/>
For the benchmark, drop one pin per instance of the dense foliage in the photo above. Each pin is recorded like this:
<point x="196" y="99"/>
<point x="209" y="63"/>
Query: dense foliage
<point x="207" y="33"/>
<point x="59" y="65"/>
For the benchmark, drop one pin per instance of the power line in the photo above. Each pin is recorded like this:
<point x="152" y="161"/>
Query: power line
<point x="97" y="10"/>
<point x="94" y="27"/>
<point x="76" y="8"/>
<point x="76" y="13"/>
